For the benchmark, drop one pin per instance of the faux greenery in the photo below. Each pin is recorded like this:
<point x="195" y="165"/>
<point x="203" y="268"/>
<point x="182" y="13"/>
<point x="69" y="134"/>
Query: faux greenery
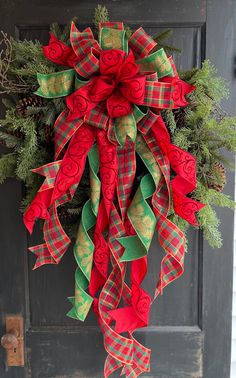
<point x="202" y="128"/>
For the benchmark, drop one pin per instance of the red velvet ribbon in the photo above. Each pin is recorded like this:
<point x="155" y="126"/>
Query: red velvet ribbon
<point x="60" y="53"/>
<point x="184" y="165"/>
<point x="69" y="174"/>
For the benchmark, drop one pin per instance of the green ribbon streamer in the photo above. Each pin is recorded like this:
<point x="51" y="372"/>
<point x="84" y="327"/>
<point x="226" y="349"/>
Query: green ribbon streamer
<point x="95" y="184"/>
<point x="84" y="247"/>
<point x="139" y="113"/>
<point x="143" y="220"/>
<point x="57" y="84"/>
<point x="125" y="126"/>
<point x="140" y="213"/>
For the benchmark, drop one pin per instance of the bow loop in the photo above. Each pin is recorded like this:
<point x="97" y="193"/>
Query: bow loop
<point x="59" y="53"/>
<point x="110" y="61"/>
<point x="82" y="42"/>
<point x="133" y="89"/>
<point x="129" y="68"/>
<point x="102" y="88"/>
<point x="118" y="105"/>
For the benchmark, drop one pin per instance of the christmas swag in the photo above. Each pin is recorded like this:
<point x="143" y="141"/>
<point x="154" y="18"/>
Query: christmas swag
<point x="137" y="148"/>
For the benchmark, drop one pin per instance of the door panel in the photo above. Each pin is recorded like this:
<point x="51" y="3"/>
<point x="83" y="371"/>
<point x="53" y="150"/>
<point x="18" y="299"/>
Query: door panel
<point x="180" y="324"/>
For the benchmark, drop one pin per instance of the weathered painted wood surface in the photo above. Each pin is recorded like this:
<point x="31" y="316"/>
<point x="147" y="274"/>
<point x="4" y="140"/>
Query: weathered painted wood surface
<point x="194" y="314"/>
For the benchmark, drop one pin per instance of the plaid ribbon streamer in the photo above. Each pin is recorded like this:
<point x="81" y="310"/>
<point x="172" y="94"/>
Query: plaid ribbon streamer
<point x="147" y="121"/>
<point x="126" y="173"/>
<point x="50" y="172"/>
<point x="64" y="130"/>
<point x="122" y="351"/>
<point x="171" y="239"/>
<point x="56" y="239"/>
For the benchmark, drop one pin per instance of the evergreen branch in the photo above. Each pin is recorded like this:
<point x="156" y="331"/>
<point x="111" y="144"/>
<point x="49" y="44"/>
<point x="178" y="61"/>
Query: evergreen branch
<point x="100" y="15"/>
<point x="160" y="37"/>
<point x="55" y="29"/>
<point x="169" y="48"/>
<point x="9" y="102"/>
<point x="7" y="166"/>
<point x="49" y="117"/>
<point x="10" y="140"/>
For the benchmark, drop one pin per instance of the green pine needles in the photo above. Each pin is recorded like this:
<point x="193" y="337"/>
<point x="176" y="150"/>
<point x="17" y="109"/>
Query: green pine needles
<point x="26" y="132"/>
<point x="204" y="129"/>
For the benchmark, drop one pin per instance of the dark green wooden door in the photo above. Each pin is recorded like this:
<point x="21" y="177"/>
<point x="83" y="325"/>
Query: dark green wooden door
<point x="190" y="324"/>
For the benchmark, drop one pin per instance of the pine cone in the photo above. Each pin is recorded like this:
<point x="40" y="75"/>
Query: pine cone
<point x="179" y="115"/>
<point x="2" y="143"/>
<point x="33" y="100"/>
<point x="217" y="177"/>
<point x="66" y="217"/>
<point x="47" y="132"/>
<point x="18" y="134"/>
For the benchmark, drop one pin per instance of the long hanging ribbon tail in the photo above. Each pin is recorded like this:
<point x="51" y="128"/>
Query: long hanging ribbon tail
<point x="170" y="237"/>
<point x="118" y="347"/>
<point x="137" y="301"/>
<point x="84" y="247"/>
<point x="57" y="189"/>
<point x="184" y="165"/>
<point x="113" y="288"/>
<point x="108" y="172"/>
<point x="123" y="351"/>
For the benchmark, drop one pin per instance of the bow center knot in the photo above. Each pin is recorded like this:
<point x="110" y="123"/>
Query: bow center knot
<point x="119" y="83"/>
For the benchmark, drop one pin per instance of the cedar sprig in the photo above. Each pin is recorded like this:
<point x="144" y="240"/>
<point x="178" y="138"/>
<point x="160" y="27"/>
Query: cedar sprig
<point x="100" y="15"/>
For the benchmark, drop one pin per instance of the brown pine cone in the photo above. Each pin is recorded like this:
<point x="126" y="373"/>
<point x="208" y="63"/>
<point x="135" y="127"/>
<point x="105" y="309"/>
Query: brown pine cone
<point x="217" y="177"/>
<point x="67" y="217"/>
<point x="2" y="143"/>
<point x="18" y="134"/>
<point x="179" y="115"/>
<point x="30" y="101"/>
<point x="48" y="132"/>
